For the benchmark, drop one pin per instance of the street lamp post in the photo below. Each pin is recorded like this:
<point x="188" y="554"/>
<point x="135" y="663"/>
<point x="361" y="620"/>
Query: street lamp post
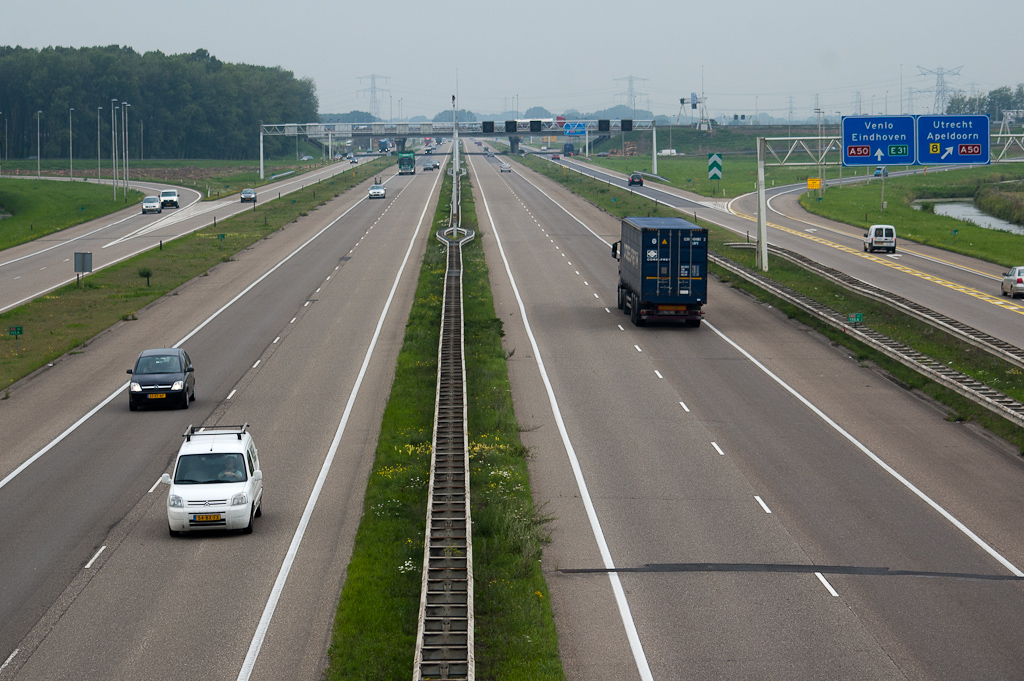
<point x="819" y="112"/>
<point x="5" y="147"/>
<point x="839" y="120"/>
<point x="38" y="146"/>
<point x="113" y="144"/>
<point x="98" y="109"/>
<point x="124" y="127"/>
<point x="71" y="145"/>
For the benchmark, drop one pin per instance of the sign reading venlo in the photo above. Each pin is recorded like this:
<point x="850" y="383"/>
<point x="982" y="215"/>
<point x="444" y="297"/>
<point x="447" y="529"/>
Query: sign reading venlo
<point x="915" y="140"/>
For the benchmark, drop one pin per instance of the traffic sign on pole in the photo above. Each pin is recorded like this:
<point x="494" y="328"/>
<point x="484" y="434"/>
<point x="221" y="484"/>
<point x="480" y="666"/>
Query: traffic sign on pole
<point x="953" y="139"/>
<point x="878" y="140"/>
<point x="714" y="166"/>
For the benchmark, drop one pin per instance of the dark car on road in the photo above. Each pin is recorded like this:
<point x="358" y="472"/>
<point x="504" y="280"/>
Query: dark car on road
<point x="162" y="376"/>
<point x="248" y="195"/>
<point x="636" y="178"/>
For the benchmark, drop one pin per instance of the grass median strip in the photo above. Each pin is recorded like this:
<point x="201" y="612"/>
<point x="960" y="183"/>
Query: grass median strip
<point x="375" y="627"/>
<point x="69" y="316"/>
<point x="924" y="338"/>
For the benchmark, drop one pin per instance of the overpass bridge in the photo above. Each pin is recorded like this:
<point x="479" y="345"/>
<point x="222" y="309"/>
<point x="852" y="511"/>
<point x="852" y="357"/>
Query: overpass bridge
<point x="515" y="130"/>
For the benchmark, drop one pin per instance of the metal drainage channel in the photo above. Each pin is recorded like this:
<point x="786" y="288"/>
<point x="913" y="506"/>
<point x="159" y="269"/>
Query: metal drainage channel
<point x="963" y="384"/>
<point x="444" y="633"/>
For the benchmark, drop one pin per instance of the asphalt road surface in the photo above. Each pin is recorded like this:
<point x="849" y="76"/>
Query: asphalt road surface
<point x="298" y="336"/>
<point x="745" y="516"/>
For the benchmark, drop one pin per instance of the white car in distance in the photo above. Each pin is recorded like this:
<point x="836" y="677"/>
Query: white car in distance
<point x="377" y="191"/>
<point x="216" y="482"/>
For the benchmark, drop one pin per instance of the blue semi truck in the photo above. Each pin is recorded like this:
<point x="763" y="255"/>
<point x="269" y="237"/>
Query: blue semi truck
<point x="663" y="270"/>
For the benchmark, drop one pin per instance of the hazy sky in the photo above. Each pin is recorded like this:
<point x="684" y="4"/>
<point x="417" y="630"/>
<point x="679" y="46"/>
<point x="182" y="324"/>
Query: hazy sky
<point x="563" y="55"/>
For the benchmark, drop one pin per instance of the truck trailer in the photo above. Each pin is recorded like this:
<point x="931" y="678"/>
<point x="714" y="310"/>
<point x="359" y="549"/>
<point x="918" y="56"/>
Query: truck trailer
<point x="406" y="163"/>
<point x="663" y="270"/>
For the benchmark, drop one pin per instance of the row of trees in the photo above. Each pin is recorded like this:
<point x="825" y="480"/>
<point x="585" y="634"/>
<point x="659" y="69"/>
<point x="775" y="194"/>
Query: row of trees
<point x="182" y="105"/>
<point x="993" y="103"/>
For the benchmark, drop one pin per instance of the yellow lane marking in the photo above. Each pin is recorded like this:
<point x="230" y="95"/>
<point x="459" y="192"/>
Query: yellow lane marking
<point x="999" y="301"/>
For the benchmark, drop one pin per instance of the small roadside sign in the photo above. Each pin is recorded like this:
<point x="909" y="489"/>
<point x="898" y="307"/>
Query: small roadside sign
<point x="814" y="183"/>
<point x="14" y="331"/>
<point x="714" y="166"/>
<point x="855" y="317"/>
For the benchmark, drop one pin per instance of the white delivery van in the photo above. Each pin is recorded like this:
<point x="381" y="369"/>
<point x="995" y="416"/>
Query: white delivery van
<point x="880" y="238"/>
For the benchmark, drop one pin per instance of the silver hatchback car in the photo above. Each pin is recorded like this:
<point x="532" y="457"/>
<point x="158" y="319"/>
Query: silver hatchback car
<point x="1013" y="282"/>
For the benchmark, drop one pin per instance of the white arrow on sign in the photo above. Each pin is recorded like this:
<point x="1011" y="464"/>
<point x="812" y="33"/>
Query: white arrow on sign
<point x="879" y="154"/>
<point x="949" y="150"/>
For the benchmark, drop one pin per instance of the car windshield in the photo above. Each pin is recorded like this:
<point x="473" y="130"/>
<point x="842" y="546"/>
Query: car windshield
<point x="167" y="193"/>
<point x="206" y="469"/>
<point x="158" y="364"/>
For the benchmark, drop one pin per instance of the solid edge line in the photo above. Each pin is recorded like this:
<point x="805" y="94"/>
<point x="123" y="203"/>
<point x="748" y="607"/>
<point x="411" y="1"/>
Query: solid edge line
<point x="874" y="457"/>
<point x="606" y="557"/>
<point x="715" y="445"/>
<point x="275" y="594"/>
<point x="97" y="555"/>
<point x="194" y="331"/>
<point x="763" y="505"/>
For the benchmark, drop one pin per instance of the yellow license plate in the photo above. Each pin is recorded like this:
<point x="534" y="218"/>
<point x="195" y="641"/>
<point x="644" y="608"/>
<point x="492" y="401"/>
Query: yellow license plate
<point x="157" y="396"/>
<point x="206" y="518"/>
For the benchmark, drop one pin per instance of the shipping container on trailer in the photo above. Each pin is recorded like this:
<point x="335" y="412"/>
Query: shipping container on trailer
<point x="663" y="270"/>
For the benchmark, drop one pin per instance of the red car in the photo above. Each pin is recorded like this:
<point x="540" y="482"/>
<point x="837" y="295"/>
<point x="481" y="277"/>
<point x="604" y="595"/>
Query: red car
<point x="555" y="157"/>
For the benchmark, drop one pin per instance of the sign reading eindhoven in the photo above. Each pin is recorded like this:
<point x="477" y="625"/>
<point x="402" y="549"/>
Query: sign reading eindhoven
<point x="915" y="140"/>
<point x="714" y="166"/>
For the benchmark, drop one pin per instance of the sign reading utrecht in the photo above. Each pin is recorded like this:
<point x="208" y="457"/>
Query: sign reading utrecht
<point x="915" y="140"/>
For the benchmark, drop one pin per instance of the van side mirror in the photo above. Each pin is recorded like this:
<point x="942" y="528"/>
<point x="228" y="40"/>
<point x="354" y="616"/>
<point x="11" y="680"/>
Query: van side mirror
<point x="865" y="235"/>
<point x="615" y="250"/>
<point x="129" y="371"/>
<point x="258" y="475"/>
<point x="189" y="369"/>
<point x="165" y="479"/>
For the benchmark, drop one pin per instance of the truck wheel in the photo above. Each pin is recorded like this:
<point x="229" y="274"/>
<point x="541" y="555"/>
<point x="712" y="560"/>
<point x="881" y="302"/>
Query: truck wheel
<point x="693" y="323"/>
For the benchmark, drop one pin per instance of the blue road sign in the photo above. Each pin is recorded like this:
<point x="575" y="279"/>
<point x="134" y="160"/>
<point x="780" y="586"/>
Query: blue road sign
<point x="578" y="128"/>
<point x="953" y="139"/>
<point x="878" y="140"/>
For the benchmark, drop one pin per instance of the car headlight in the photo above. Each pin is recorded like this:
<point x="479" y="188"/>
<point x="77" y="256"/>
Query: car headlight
<point x="239" y="499"/>
<point x="135" y="387"/>
<point x="175" y="501"/>
<point x="178" y="385"/>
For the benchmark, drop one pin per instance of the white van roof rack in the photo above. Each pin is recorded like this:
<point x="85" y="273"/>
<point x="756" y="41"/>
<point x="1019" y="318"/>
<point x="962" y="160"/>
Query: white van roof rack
<point x="215" y="430"/>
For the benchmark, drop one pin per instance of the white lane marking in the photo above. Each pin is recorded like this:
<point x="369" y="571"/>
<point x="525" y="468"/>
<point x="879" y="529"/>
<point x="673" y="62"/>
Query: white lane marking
<point x="8" y="660"/>
<point x="681" y="404"/>
<point x="714" y="444"/>
<point x="637" y="348"/>
<point x="154" y="486"/>
<point x="658" y="374"/>
<point x="275" y="340"/>
<point x="874" y="457"/>
<point x="232" y="393"/>
<point x="620" y="327"/>
<point x="821" y="578"/>
<point x="257" y="363"/>
<point x="275" y="594"/>
<point x="606" y="557"/>
<point x="763" y="505"/>
<point x="307" y="304"/>
<point x="293" y="320"/>
<point x="607" y="310"/>
<point x="93" y="560"/>
<point x="28" y="462"/>
<point x="596" y="296"/>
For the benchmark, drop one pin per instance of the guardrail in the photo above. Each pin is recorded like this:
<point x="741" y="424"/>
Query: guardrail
<point x="960" y="383"/>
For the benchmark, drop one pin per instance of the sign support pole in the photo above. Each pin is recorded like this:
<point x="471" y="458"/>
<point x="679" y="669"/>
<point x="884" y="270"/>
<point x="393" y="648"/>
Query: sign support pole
<point x="762" y="209"/>
<point x="261" y="151"/>
<point x="654" y="148"/>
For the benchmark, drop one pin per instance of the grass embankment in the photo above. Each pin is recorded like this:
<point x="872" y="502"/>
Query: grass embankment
<point x="375" y="626"/>
<point x="68" y="316"/>
<point x="922" y="337"/>
<point x="862" y="206"/>
<point x="41" y="207"/>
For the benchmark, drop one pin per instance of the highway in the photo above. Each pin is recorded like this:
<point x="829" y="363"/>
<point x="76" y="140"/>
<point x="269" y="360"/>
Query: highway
<point x="298" y="336"/>
<point x="958" y="286"/>
<point x="34" y="268"/>
<point x="742" y="500"/>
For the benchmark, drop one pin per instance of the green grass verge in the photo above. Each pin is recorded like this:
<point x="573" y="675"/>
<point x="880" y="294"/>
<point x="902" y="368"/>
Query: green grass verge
<point x="861" y="206"/>
<point x="929" y="341"/>
<point x="41" y="207"/>
<point x="375" y="625"/>
<point x="68" y="316"/>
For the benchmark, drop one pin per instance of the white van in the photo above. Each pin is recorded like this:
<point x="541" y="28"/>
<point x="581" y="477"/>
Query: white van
<point x="880" y="238"/>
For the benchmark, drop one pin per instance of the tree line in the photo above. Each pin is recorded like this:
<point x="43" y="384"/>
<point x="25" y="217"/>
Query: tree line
<point x="182" y="106"/>
<point x="993" y="103"/>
